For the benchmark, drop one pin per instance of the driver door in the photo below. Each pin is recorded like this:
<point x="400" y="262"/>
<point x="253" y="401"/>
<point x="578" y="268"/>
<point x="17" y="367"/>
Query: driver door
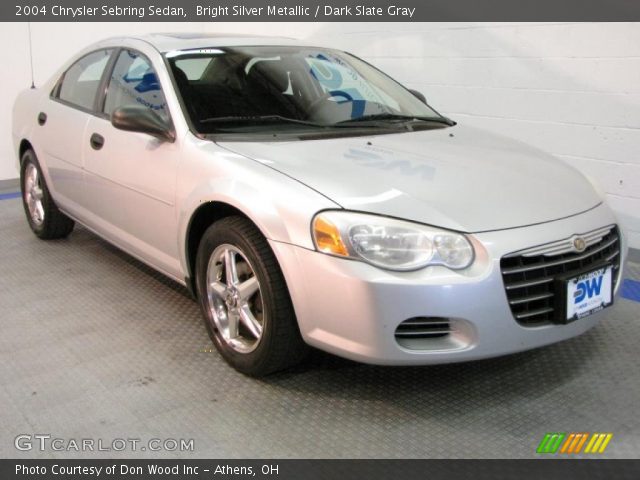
<point x="130" y="177"/>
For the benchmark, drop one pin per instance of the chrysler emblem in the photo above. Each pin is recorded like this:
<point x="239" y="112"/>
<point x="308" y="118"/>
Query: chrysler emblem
<point x="579" y="244"/>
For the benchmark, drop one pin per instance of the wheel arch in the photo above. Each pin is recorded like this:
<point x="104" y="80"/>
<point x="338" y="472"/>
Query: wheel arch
<point x="202" y="218"/>
<point x="25" y="145"/>
<point x="281" y="209"/>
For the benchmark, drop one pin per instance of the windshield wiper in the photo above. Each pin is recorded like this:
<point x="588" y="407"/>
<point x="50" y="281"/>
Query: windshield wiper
<point x="258" y="119"/>
<point x="248" y="120"/>
<point x="393" y="116"/>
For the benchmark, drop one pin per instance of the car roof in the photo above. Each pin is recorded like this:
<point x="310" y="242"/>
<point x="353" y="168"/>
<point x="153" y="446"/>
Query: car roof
<point x="166" y="42"/>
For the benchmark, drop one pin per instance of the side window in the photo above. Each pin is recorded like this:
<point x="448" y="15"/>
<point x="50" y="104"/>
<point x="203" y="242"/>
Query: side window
<point x="80" y="82"/>
<point x="134" y="82"/>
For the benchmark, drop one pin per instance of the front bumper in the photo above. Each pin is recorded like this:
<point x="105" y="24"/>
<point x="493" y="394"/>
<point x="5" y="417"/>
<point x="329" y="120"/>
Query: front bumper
<point x="352" y="309"/>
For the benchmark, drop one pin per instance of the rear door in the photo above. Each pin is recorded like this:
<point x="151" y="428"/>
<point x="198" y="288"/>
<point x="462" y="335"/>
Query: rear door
<point x="63" y="118"/>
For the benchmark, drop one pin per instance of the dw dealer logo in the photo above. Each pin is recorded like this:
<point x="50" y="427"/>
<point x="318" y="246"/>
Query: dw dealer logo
<point x="573" y="443"/>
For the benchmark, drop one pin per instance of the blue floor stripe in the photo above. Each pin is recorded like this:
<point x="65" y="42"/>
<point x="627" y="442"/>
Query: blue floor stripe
<point x="7" y="196"/>
<point x="630" y="290"/>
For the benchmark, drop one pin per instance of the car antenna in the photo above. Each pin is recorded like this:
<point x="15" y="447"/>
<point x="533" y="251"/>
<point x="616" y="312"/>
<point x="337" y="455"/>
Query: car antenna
<point x="33" y="84"/>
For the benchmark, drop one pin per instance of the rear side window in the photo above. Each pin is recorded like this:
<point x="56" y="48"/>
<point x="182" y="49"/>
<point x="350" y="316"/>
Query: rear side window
<point x="81" y="81"/>
<point x="135" y="82"/>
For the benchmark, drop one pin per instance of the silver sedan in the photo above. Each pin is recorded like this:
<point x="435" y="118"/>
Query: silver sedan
<point x="307" y="199"/>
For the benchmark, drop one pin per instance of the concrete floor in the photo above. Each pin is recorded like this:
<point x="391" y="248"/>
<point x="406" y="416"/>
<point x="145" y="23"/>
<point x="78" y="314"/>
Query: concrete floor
<point x="96" y="345"/>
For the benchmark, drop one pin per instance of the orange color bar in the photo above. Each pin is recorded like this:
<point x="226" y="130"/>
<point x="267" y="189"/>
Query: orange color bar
<point x="582" y="441"/>
<point x="567" y="442"/>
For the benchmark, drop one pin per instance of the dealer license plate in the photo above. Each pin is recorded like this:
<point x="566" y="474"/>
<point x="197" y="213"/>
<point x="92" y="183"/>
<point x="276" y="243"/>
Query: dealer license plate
<point x="589" y="293"/>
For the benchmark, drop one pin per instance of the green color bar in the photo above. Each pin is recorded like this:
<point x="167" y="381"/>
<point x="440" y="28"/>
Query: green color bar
<point x="543" y="443"/>
<point x="550" y="442"/>
<point x="559" y="440"/>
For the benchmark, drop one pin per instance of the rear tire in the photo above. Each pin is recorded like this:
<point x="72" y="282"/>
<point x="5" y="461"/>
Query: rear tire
<point x="44" y="217"/>
<point x="245" y="301"/>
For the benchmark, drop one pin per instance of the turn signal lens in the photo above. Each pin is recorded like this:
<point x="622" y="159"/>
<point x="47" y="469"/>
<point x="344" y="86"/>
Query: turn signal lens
<point x="328" y="238"/>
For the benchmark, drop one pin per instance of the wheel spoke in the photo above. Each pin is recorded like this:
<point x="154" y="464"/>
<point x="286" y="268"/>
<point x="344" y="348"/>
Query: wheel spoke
<point x="39" y="211"/>
<point x="37" y="193"/>
<point x="232" y="325"/>
<point x="231" y="272"/>
<point x="247" y="288"/>
<point x="219" y="288"/>
<point x="249" y="321"/>
<point x="33" y="175"/>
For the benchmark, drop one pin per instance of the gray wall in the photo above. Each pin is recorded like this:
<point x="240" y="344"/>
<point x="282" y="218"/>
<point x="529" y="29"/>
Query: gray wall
<point x="571" y="89"/>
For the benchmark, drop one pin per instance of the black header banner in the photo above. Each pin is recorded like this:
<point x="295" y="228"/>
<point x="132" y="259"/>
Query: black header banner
<point x="319" y="10"/>
<point x="321" y="469"/>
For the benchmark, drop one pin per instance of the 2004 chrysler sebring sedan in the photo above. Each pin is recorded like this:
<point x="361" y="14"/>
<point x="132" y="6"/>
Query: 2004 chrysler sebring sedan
<point x="306" y="198"/>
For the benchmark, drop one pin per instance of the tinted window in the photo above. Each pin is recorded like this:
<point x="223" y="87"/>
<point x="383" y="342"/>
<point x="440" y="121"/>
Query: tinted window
<point x="80" y="83"/>
<point x="134" y="82"/>
<point x="193" y="67"/>
<point x="240" y="88"/>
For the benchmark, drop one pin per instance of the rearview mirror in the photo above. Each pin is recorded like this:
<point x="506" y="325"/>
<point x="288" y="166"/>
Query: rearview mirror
<point x="136" y="118"/>
<point x="418" y="95"/>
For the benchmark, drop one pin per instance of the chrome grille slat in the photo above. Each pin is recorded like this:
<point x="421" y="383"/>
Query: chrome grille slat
<point x="425" y="324"/>
<point x="529" y="283"/>
<point x="529" y="275"/>
<point x="532" y="313"/>
<point x="424" y="328"/>
<point x="425" y="332"/>
<point x="532" y="298"/>
<point x="559" y="262"/>
<point x="613" y="255"/>
<point x="565" y="245"/>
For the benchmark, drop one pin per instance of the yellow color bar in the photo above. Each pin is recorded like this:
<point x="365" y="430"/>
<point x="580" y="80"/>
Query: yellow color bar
<point x="591" y="442"/>
<point x="598" y="442"/>
<point x="606" y="441"/>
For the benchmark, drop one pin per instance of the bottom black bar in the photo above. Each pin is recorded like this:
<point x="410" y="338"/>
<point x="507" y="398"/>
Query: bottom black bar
<point x="547" y="469"/>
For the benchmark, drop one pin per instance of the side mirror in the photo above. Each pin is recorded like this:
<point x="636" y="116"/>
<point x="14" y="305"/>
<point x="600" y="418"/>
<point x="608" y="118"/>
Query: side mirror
<point x="136" y="118"/>
<point x="418" y="95"/>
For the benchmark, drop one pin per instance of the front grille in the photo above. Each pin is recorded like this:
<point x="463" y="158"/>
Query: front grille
<point x="529" y="275"/>
<point x="423" y="327"/>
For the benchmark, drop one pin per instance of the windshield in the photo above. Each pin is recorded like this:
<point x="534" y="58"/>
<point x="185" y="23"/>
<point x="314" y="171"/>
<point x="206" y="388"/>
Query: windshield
<point x="236" y="88"/>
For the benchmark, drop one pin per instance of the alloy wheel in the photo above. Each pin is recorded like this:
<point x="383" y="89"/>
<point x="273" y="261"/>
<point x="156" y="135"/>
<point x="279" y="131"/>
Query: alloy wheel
<point x="234" y="299"/>
<point x="33" y="194"/>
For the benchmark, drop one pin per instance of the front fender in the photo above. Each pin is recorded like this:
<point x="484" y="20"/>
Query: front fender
<point x="280" y="207"/>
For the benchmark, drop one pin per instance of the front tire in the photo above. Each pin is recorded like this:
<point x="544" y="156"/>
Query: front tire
<point x="44" y="217"/>
<point x="245" y="300"/>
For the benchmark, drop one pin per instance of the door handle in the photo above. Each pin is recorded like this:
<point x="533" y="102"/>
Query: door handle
<point x="42" y="118"/>
<point x="96" y="141"/>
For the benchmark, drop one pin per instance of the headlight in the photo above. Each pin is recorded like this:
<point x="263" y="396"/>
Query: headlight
<point x="389" y="243"/>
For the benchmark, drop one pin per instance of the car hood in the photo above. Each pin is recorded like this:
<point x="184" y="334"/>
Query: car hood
<point x="459" y="178"/>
